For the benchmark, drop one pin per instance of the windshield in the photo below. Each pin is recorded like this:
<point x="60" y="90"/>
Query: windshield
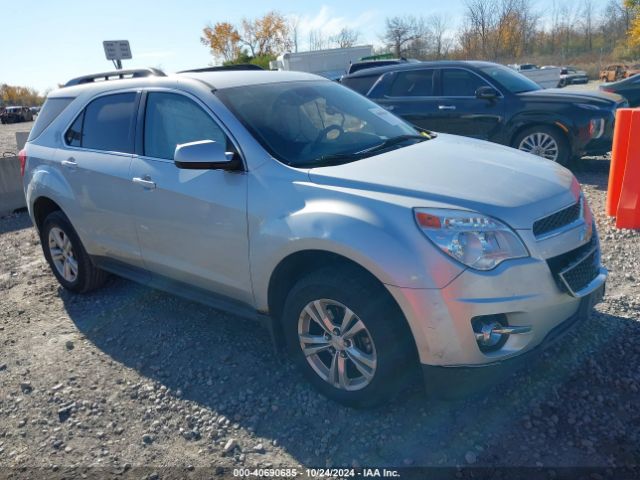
<point x="510" y="79"/>
<point x="316" y="123"/>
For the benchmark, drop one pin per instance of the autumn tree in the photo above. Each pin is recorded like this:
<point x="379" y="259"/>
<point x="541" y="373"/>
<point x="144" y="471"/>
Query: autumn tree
<point x="267" y="35"/>
<point x="223" y="40"/>
<point x="260" y="37"/>
<point x="634" y="28"/>
<point x="17" y="95"/>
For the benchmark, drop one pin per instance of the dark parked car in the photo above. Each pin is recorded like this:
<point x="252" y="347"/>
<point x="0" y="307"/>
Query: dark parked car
<point x="572" y="76"/>
<point x="16" y="114"/>
<point x="357" y="66"/>
<point x="492" y="102"/>
<point x="629" y="88"/>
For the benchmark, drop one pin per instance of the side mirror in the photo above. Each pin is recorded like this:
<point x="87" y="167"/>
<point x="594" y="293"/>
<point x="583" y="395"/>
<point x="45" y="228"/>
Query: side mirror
<point x="203" y="155"/>
<point x="486" y="93"/>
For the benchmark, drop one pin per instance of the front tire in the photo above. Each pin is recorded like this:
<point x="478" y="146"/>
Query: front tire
<point x="348" y="337"/>
<point x="545" y="142"/>
<point x="67" y="257"/>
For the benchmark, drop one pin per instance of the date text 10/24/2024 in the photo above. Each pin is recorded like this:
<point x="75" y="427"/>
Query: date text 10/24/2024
<point x="316" y="473"/>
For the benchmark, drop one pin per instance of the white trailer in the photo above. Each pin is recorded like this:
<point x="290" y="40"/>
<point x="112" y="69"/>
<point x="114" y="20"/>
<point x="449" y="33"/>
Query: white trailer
<point x="331" y="63"/>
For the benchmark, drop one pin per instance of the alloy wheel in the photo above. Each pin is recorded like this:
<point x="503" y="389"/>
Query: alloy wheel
<point x="62" y="255"/>
<point x="540" y="144"/>
<point x="337" y="344"/>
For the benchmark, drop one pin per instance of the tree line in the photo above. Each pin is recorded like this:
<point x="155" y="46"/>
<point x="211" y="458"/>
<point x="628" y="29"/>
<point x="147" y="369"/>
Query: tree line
<point x="496" y="30"/>
<point x="15" y="95"/>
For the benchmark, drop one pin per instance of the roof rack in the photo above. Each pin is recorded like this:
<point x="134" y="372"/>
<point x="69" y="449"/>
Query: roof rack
<point x="240" y="66"/>
<point x="116" y="75"/>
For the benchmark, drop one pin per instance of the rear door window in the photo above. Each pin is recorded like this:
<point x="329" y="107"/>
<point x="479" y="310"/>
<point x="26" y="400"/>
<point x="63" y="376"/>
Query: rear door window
<point x="413" y="83"/>
<point x="109" y="123"/>
<point x="50" y="110"/>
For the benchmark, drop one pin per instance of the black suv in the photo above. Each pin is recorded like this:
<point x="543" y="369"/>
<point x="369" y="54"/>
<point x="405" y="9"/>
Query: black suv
<point x="492" y="102"/>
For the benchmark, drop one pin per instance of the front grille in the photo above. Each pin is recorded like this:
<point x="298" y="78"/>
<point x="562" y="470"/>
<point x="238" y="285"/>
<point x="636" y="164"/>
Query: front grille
<point x="557" y="220"/>
<point x="580" y="275"/>
<point x="575" y="269"/>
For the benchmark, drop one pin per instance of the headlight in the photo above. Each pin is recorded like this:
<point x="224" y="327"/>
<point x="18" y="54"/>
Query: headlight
<point x="477" y="241"/>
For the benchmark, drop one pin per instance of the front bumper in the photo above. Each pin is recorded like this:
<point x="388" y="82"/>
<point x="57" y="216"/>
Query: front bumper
<point x="529" y="292"/>
<point x="600" y="146"/>
<point x="455" y="382"/>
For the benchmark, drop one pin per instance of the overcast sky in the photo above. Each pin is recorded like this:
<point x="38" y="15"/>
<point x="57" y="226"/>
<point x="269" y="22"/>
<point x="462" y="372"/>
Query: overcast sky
<point x="47" y="42"/>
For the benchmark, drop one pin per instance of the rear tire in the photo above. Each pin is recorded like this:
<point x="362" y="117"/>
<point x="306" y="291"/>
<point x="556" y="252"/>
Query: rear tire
<point x="546" y="142"/>
<point x="67" y="257"/>
<point x="372" y="366"/>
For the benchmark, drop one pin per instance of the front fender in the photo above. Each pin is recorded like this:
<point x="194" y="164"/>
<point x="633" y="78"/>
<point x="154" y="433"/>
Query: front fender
<point x="380" y="236"/>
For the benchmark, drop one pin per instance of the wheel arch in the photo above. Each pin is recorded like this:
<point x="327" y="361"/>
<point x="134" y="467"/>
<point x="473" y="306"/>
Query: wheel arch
<point x="42" y="207"/>
<point x="294" y="266"/>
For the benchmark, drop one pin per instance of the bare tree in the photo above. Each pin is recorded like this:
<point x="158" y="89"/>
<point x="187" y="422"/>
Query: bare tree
<point x="345" y="38"/>
<point x="317" y="40"/>
<point x="294" y="26"/>
<point x="481" y="22"/>
<point x="438" y="26"/>
<point x="400" y="32"/>
<point x="587" y="23"/>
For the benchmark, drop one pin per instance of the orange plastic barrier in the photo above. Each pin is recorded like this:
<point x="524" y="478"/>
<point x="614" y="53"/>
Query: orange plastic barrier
<point x="628" y="211"/>
<point x="619" y="154"/>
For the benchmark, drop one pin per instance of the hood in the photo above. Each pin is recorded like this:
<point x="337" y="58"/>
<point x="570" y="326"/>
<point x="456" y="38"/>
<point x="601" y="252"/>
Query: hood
<point x="596" y="98"/>
<point x="459" y="172"/>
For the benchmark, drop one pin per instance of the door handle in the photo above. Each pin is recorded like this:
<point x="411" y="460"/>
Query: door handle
<point x="146" y="182"/>
<point x="389" y="107"/>
<point x="446" y="107"/>
<point x="70" y="163"/>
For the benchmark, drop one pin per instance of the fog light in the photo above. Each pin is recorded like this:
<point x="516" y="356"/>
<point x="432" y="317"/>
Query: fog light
<point x="492" y="331"/>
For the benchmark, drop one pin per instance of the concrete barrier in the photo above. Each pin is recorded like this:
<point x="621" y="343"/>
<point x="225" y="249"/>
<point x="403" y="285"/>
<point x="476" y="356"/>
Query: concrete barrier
<point x="11" y="193"/>
<point x="21" y="139"/>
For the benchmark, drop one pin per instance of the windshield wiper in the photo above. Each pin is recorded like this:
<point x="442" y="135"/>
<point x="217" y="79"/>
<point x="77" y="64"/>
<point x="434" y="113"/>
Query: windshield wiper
<point x="390" y="142"/>
<point x="333" y="159"/>
<point x="339" y="158"/>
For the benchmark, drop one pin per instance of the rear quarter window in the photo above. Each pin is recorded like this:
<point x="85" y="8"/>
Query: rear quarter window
<point x="361" y="84"/>
<point x="49" y="112"/>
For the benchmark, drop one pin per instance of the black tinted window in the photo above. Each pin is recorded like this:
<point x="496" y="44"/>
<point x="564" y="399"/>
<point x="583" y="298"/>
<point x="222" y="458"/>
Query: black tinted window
<point x="73" y="136"/>
<point x="361" y="84"/>
<point x="414" y="83"/>
<point x="108" y="123"/>
<point x="171" y="120"/>
<point x="50" y="110"/>
<point x="460" y="83"/>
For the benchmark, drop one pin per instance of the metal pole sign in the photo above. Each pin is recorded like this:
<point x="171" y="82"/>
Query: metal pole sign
<point x="117" y="50"/>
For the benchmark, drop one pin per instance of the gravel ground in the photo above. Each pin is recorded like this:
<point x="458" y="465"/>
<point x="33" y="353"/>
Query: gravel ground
<point x="129" y="377"/>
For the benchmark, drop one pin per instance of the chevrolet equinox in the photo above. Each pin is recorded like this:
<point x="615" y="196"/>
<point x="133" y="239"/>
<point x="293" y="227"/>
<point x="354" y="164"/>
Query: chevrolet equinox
<point x="369" y="247"/>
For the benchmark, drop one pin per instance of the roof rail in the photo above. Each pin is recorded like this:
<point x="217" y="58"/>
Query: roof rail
<point x="116" y="75"/>
<point x="239" y="66"/>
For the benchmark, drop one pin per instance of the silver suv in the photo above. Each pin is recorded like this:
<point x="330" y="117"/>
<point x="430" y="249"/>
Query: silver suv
<point x="369" y="247"/>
